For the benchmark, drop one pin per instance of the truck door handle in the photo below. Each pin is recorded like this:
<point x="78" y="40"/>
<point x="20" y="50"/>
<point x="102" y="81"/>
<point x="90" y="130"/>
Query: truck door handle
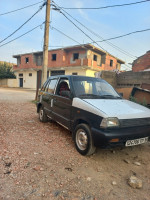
<point x="52" y="102"/>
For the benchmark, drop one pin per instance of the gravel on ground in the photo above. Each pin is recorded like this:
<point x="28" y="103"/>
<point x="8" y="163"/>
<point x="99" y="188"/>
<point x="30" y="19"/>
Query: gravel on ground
<point x="38" y="161"/>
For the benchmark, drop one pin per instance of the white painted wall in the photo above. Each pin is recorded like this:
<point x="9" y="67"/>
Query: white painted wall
<point x="9" y="83"/>
<point x="31" y="81"/>
<point x="80" y="72"/>
<point x="12" y="82"/>
<point x="28" y="81"/>
<point x="90" y="73"/>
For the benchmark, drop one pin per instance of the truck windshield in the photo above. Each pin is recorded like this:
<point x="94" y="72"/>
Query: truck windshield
<point x="88" y="87"/>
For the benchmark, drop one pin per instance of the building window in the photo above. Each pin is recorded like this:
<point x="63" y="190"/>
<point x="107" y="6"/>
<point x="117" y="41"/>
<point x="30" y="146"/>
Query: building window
<point x="57" y="72"/>
<point x="27" y="59"/>
<point x="74" y="73"/>
<point x="47" y="74"/>
<point x="53" y="57"/>
<point x="20" y="74"/>
<point x="95" y="57"/>
<point x="75" y="56"/>
<point x="111" y="63"/>
<point x="30" y="74"/>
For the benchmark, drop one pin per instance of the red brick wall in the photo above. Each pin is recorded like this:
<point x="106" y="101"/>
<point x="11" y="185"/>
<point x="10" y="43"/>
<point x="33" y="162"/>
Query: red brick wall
<point x="142" y="63"/>
<point x="64" y="58"/>
<point x="107" y="63"/>
<point x="25" y="65"/>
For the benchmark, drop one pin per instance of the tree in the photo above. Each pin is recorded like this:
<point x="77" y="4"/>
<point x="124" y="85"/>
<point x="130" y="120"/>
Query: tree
<point x="6" y="71"/>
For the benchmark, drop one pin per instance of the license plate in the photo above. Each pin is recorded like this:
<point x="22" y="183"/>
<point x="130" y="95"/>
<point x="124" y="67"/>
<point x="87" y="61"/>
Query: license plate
<point x="136" y="141"/>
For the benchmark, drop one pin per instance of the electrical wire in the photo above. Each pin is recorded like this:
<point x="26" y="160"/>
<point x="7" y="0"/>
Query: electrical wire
<point x="21" y="8"/>
<point x="111" y="6"/>
<point x="120" y="36"/>
<point x="106" y="40"/>
<point x="109" y="43"/>
<point x="127" y="66"/>
<point x="58" y="9"/>
<point x="24" y="23"/>
<point x="83" y="45"/>
<point x="65" y="35"/>
<point x="81" y="30"/>
<point x="22" y="35"/>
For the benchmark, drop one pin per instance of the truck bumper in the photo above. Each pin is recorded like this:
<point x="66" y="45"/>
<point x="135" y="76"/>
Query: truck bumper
<point x="103" y="138"/>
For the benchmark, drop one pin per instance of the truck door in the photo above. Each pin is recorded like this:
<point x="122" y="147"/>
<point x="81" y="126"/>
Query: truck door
<point x="62" y="106"/>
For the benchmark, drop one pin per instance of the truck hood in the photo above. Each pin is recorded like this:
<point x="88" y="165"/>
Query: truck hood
<point x="120" y="108"/>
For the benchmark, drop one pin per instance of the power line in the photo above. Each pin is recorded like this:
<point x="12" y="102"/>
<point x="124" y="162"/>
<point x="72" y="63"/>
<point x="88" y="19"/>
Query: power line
<point x="20" y="8"/>
<point x="127" y="66"/>
<point x="21" y="35"/>
<point x="109" y="43"/>
<point x="57" y="8"/>
<point x="80" y="43"/>
<point x="23" y="23"/>
<point x="104" y="40"/>
<point x="120" y="36"/>
<point x="111" y="6"/>
<point x="79" y="28"/>
<point x="83" y="45"/>
<point x="114" y="46"/>
<point x="65" y="35"/>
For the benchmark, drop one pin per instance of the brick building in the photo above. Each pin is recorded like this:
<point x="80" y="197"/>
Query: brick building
<point x="142" y="63"/>
<point x="77" y="60"/>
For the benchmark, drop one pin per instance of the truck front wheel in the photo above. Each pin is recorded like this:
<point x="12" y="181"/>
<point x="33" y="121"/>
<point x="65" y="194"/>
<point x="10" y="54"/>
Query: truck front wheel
<point x="83" y="140"/>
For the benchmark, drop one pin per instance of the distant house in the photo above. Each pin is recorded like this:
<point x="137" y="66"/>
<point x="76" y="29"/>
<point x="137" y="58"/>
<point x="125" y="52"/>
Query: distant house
<point x="142" y="63"/>
<point x="77" y="60"/>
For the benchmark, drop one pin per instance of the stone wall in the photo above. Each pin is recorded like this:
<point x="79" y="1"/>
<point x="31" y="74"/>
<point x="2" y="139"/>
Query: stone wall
<point x="129" y="79"/>
<point x="110" y="77"/>
<point x="125" y="81"/>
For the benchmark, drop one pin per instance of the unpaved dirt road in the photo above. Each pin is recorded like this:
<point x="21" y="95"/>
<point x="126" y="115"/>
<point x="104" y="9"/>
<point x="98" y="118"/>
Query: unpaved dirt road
<point x="39" y="162"/>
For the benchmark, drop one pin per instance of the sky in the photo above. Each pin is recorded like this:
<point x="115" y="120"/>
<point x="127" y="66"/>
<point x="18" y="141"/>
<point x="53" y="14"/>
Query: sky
<point x="107" y="23"/>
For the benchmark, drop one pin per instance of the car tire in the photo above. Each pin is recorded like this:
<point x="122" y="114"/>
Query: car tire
<point x="42" y="115"/>
<point x="83" y="140"/>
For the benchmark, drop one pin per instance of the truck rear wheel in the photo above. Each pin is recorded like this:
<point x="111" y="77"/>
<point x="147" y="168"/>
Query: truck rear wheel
<point x="42" y="115"/>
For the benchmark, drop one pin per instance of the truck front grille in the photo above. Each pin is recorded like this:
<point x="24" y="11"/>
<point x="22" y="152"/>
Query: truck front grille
<point x="134" y="122"/>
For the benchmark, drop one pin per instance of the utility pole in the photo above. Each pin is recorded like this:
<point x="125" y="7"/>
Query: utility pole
<point x="46" y="42"/>
<point x="42" y="78"/>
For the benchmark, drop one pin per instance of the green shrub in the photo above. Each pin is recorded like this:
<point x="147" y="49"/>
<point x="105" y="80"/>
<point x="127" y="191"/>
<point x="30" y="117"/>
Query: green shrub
<point x="143" y="103"/>
<point x="6" y="71"/>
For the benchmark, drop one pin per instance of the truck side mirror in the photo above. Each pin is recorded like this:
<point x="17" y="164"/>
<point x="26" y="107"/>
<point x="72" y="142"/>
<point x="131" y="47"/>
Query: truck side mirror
<point x="121" y="94"/>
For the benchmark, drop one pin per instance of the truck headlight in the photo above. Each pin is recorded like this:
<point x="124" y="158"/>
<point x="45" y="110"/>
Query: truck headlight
<point x="109" y="122"/>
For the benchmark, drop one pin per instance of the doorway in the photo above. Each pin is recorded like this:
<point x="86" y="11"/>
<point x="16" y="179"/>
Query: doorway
<point x="20" y="82"/>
